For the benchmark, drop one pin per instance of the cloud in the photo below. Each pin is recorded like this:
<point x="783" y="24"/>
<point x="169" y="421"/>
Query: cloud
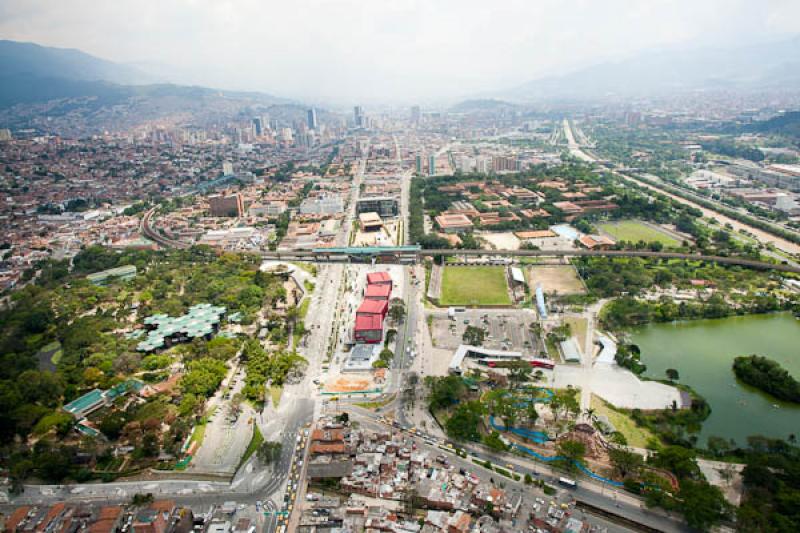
<point x="385" y="50"/>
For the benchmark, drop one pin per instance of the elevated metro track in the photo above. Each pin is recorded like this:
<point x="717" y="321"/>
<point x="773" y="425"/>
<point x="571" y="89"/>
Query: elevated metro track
<point x="148" y="231"/>
<point x="412" y="254"/>
<point x="386" y="256"/>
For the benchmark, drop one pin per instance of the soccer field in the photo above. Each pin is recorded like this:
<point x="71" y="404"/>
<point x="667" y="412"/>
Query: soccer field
<point x="474" y="285"/>
<point x="635" y="231"/>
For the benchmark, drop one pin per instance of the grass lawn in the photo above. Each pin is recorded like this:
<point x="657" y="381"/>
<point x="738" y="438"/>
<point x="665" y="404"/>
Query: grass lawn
<point x="635" y="231"/>
<point x="199" y="432"/>
<point x="311" y="268"/>
<point x="303" y="310"/>
<point x="578" y="326"/>
<point x="275" y="393"/>
<point x="377" y="404"/>
<point x="637" y="437"/>
<point x="474" y="285"/>
<point x="255" y="442"/>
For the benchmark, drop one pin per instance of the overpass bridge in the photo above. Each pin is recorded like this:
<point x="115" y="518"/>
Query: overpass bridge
<point x="412" y="254"/>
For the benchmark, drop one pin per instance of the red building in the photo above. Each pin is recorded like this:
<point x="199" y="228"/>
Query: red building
<point x="369" y="328"/>
<point x="378" y="292"/>
<point x="373" y="308"/>
<point x="379" y="278"/>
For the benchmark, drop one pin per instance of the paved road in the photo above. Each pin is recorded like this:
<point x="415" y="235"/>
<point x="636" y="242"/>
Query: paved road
<point x="600" y="496"/>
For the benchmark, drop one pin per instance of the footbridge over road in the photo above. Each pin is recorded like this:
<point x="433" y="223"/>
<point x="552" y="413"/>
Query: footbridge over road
<point x="412" y="254"/>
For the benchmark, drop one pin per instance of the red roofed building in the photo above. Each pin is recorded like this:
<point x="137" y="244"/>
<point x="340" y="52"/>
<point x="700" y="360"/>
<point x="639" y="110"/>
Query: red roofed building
<point x="16" y="518"/>
<point x="369" y="328"/>
<point x="108" y="520"/>
<point x="600" y="242"/>
<point x="373" y="308"/>
<point x="379" y="278"/>
<point x="378" y="292"/>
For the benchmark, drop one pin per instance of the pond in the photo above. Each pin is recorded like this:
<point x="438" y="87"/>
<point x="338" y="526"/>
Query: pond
<point x="702" y="351"/>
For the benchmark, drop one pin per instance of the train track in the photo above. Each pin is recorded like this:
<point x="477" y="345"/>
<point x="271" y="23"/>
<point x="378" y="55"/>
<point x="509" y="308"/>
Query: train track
<point x="148" y="231"/>
<point x="320" y="255"/>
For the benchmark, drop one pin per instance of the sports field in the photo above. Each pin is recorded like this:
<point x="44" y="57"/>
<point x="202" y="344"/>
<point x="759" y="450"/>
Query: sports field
<point x="474" y="285"/>
<point x="561" y="279"/>
<point x="635" y="231"/>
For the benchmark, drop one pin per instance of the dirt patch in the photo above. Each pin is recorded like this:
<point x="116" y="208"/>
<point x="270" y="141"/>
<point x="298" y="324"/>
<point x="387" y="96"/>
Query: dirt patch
<point x="561" y="279"/>
<point x="345" y="384"/>
<point x="501" y="241"/>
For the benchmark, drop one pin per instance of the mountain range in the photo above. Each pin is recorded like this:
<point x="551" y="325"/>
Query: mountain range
<point x="774" y="65"/>
<point x="31" y="74"/>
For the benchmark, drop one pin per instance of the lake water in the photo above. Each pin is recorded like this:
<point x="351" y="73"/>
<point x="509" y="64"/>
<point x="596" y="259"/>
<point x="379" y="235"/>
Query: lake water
<point x="703" y="351"/>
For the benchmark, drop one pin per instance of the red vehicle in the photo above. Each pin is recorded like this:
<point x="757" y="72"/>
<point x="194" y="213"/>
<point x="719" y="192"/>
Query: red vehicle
<point x="542" y="363"/>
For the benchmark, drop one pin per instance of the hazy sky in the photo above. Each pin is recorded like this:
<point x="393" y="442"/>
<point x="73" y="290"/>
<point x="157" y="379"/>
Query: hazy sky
<point x="348" y="51"/>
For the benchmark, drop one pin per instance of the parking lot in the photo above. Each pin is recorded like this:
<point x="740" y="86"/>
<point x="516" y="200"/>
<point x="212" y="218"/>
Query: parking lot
<point x="506" y="329"/>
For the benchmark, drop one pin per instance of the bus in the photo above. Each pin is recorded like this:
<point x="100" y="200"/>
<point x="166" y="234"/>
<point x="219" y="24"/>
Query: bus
<point x="569" y="483"/>
<point x="543" y="363"/>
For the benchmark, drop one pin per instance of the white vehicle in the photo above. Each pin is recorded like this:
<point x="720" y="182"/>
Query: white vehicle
<point x="567" y="482"/>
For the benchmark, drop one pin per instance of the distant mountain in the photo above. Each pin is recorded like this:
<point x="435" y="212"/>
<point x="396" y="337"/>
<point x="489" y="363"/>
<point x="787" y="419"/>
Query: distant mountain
<point x="482" y="104"/>
<point x="30" y="73"/>
<point x="74" y="87"/>
<point x="29" y="59"/>
<point x="763" y="66"/>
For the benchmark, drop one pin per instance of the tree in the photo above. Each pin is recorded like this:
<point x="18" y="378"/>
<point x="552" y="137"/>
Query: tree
<point x="767" y="375"/>
<point x="625" y="463"/>
<point x="397" y="311"/>
<point x="572" y="450"/>
<point x="269" y="452"/>
<point x="591" y="415"/>
<point x="111" y="425"/>
<point x="564" y="402"/>
<point x="464" y="423"/>
<point x="672" y="374"/>
<point x="703" y="505"/>
<point x="494" y="442"/>
<point x="140" y="500"/>
<point x="678" y="460"/>
<point x="473" y="336"/>
<point x="719" y="446"/>
<point x="445" y="391"/>
<point x="520" y="372"/>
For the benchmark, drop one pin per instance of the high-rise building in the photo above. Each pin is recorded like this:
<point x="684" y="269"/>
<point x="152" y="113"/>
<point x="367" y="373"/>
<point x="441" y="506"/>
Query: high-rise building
<point x="415" y="114"/>
<point x="258" y="126"/>
<point x="273" y="124"/>
<point x="419" y="164"/>
<point x="432" y="165"/>
<point x="312" y="119"/>
<point x="483" y="165"/>
<point x="5" y="135"/>
<point x="358" y="116"/>
<point x="227" y="168"/>
<point x="501" y="163"/>
<point x="231" y="205"/>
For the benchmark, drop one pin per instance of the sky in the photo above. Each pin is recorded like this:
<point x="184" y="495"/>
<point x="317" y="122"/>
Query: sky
<point x="385" y="51"/>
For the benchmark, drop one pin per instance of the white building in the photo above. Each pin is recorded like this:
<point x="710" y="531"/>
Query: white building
<point x="331" y="204"/>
